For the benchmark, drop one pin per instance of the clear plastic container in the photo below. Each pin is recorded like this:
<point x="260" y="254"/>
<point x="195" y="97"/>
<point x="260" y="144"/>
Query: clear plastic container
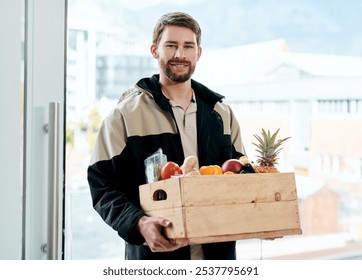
<point x="153" y="165"/>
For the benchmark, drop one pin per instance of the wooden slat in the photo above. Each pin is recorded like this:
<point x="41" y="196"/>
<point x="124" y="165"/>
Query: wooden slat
<point x="236" y="221"/>
<point x="235" y="189"/>
<point x="219" y="189"/>
<point x="233" y="237"/>
<point x="241" y="218"/>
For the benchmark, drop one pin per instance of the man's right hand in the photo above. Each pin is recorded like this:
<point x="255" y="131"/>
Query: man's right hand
<point x="151" y="230"/>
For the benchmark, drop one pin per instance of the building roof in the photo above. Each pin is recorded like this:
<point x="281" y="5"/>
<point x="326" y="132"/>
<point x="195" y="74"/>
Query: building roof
<point x="294" y="89"/>
<point x="270" y="61"/>
<point x="238" y="65"/>
<point x="322" y="65"/>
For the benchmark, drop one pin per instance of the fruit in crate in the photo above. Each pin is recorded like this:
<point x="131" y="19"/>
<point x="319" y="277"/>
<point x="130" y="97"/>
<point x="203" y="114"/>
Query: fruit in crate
<point x="189" y="166"/>
<point x="247" y="166"/>
<point x="169" y="169"/>
<point x="233" y="165"/>
<point x="268" y="148"/>
<point x="210" y="170"/>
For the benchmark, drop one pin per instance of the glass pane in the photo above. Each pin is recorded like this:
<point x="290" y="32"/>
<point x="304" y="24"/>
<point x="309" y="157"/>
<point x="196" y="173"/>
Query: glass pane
<point x="297" y="69"/>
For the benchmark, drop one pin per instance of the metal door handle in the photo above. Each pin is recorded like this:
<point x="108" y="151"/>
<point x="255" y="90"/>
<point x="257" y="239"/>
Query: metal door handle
<point x="53" y="182"/>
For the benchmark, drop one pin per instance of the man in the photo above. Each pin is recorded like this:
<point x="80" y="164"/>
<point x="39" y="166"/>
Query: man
<point x="168" y="111"/>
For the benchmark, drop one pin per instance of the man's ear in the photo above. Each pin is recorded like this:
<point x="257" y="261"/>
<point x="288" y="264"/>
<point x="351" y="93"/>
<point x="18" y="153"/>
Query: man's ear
<point x="154" y="51"/>
<point x="199" y="52"/>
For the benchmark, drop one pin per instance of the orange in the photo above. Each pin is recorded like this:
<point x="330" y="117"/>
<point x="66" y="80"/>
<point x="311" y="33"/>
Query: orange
<point x="210" y="170"/>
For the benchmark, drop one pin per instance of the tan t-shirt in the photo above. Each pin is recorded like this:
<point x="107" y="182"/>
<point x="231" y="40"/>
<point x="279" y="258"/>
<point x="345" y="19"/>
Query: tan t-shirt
<point x="186" y="122"/>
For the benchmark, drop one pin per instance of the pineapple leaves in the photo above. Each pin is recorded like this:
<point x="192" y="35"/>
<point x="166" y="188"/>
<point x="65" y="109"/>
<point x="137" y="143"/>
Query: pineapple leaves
<point x="268" y="147"/>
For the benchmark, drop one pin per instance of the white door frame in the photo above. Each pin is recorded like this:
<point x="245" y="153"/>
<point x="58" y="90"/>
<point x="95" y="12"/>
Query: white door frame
<point x="10" y="123"/>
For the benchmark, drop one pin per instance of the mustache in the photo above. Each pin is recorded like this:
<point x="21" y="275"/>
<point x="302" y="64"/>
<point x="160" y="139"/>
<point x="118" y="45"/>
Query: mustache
<point x="180" y="61"/>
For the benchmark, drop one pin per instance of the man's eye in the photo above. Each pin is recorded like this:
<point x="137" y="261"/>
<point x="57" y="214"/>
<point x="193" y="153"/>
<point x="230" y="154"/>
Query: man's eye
<point x="170" y="46"/>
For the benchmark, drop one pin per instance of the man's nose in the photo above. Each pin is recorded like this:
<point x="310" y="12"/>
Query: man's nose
<point x="179" y="53"/>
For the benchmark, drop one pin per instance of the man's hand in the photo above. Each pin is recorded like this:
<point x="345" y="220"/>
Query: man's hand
<point x="151" y="230"/>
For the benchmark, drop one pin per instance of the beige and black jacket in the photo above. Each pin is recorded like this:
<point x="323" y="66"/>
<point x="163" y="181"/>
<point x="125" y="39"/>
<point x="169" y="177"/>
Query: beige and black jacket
<point x="141" y="123"/>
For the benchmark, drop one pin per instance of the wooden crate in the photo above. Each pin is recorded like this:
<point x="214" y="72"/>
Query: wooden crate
<point x="216" y="208"/>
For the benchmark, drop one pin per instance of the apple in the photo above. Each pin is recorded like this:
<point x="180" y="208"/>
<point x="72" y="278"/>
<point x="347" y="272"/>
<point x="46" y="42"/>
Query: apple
<point x="233" y="165"/>
<point x="169" y="169"/>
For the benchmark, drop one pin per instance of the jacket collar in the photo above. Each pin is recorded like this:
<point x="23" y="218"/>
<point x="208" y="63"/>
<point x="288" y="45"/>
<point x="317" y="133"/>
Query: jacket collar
<point x="205" y="94"/>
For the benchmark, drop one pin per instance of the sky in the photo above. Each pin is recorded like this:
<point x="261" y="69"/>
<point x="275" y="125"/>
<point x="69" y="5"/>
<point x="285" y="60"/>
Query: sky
<point x="140" y="4"/>
<point x="323" y="26"/>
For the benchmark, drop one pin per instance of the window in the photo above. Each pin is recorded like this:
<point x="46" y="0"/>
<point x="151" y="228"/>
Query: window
<point x="282" y="73"/>
<point x="350" y="106"/>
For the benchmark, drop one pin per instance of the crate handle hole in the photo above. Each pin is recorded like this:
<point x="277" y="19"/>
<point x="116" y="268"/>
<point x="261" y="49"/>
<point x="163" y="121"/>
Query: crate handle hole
<point x="159" y="195"/>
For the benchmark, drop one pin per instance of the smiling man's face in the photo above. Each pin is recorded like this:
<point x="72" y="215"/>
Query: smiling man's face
<point x="177" y="53"/>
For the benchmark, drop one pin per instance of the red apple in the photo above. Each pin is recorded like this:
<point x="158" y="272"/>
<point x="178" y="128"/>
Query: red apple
<point x="233" y="165"/>
<point x="170" y="169"/>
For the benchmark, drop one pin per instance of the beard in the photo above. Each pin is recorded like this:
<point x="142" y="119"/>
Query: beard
<point x="174" y="76"/>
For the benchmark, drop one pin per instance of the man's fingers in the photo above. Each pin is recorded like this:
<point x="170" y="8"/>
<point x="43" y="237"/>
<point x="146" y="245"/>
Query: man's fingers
<point x="151" y="229"/>
<point x="165" y="247"/>
<point x="164" y="222"/>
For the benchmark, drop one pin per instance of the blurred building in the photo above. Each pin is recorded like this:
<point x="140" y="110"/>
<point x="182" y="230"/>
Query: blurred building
<point x="102" y="65"/>
<point x="314" y="98"/>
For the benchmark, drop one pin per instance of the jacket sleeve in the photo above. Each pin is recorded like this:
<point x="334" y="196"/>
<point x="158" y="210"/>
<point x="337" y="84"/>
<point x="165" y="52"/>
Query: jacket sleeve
<point x="113" y="188"/>
<point x="231" y="129"/>
<point x="235" y="134"/>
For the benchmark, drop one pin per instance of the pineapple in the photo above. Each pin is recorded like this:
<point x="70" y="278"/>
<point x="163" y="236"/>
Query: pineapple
<point x="268" y="149"/>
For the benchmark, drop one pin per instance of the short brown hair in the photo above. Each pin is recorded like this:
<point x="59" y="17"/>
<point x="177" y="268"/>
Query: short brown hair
<point x="176" y="19"/>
